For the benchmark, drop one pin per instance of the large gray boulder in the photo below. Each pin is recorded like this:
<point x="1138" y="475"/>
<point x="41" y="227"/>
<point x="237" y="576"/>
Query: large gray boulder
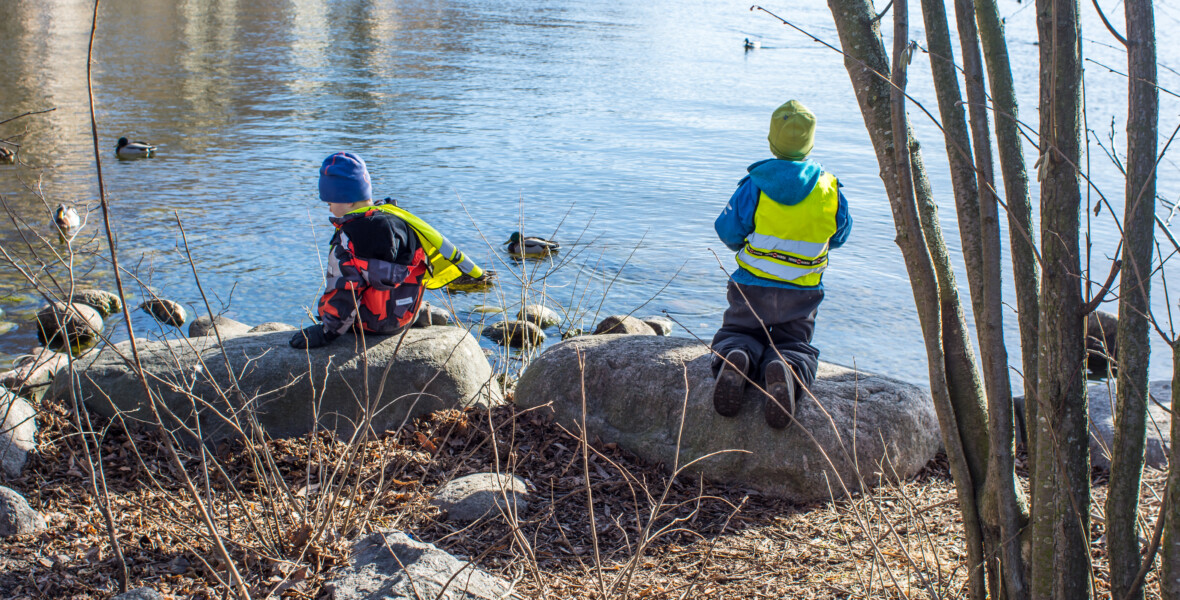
<point x="225" y="326"/>
<point x="482" y="495"/>
<point x="287" y="389"/>
<point x="16" y="516"/>
<point x="389" y="565"/>
<point x="635" y="394"/>
<point x="17" y="432"/>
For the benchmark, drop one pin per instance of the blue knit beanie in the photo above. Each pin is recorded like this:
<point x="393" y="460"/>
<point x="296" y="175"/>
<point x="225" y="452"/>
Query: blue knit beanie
<point x="344" y="179"/>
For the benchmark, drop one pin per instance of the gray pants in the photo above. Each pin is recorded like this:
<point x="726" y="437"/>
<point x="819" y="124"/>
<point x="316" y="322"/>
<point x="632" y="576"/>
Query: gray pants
<point x="789" y="319"/>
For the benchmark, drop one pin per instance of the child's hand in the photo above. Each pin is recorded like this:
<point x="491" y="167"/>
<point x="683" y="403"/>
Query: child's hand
<point x="311" y="337"/>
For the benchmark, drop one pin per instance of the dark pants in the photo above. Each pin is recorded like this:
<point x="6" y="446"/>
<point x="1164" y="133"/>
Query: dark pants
<point x="789" y="318"/>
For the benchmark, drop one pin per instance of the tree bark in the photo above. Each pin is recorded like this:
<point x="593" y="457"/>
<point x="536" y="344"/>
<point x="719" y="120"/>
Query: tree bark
<point x="1061" y="500"/>
<point x="1001" y="488"/>
<point x="1126" y="465"/>
<point x="954" y="380"/>
<point x="1020" y="229"/>
<point x="1170" y="547"/>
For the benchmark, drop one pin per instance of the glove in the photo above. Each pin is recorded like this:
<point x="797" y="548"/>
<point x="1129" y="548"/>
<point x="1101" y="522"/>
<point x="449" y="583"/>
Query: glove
<point x="311" y="337"/>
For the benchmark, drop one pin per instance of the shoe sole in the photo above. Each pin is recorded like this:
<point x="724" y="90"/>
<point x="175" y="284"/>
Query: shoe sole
<point x="776" y="417"/>
<point x="727" y="392"/>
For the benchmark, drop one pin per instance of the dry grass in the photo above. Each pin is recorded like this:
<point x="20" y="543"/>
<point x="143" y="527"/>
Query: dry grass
<point x="726" y="542"/>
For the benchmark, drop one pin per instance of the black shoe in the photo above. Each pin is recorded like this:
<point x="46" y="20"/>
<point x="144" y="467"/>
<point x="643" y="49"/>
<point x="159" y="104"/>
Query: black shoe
<point x="780" y="406"/>
<point x="731" y="383"/>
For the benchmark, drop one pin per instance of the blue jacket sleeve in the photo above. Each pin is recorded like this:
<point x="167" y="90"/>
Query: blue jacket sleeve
<point x="843" y="224"/>
<point x="737" y="220"/>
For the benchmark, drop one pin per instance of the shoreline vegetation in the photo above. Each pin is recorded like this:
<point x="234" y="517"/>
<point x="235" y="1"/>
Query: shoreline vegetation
<point x="187" y="492"/>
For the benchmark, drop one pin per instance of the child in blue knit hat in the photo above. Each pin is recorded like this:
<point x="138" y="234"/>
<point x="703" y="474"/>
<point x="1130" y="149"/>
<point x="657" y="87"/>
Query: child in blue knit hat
<point x="376" y="265"/>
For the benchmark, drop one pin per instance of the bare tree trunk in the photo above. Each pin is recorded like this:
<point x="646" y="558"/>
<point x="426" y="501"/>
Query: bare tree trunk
<point x="954" y="381"/>
<point x="1126" y="465"/>
<point x="1001" y="488"/>
<point x="1020" y="228"/>
<point x="1061" y="502"/>
<point x="1170" y="548"/>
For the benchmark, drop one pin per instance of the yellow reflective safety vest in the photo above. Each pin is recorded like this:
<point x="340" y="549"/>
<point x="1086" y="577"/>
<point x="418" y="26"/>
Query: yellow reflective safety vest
<point x="790" y="242"/>
<point x="444" y="261"/>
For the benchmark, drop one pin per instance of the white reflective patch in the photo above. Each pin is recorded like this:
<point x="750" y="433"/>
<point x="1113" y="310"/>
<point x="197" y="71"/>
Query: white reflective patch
<point x="769" y="242"/>
<point x="403" y="301"/>
<point x="777" y="269"/>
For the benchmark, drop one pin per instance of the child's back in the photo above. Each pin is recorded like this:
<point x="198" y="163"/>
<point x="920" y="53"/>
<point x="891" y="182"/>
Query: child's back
<point x="783" y="219"/>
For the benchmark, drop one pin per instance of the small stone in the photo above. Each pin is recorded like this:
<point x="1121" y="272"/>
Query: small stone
<point x="34" y="372"/>
<point x="143" y="593"/>
<point x="178" y="565"/>
<point x="6" y="326"/>
<point x="17" y="433"/>
<point x="623" y="324"/>
<point x="660" y="325"/>
<point x="103" y="301"/>
<point x="516" y="334"/>
<point x="79" y="322"/>
<point x="572" y="333"/>
<point x="270" y="326"/>
<point x="540" y="315"/>
<point x="16" y="517"/>
<point x="167" y="312"/>
<point x="203" y="326"/>
<point x="478" y="495"/>
<point x="392" y="564"/>
<point x="428" y="315"/>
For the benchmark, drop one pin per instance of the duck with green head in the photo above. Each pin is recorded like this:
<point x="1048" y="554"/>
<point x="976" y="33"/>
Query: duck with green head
<point x="519" y="245"/>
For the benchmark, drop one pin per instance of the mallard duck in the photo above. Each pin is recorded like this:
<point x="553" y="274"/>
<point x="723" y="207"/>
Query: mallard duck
<point x="467" y="283"/>
<point x="67" y="219"/>
<point x="127" y="149"/>
<point x="754" y="45"/>
<point x="530" y="246"/>
<point x="7" y="156"/>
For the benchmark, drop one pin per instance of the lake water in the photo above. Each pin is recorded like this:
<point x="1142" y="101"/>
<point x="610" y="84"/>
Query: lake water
<point x="620" y="127"/>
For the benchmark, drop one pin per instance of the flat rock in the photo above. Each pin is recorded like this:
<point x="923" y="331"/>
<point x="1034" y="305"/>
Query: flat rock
<point x="168" y="312"/>
<point x="271" y="326"/>
<point x="34" y="372"/>
<point x="436" y="368"/>
<point x="1101" y="402"/>
<point x="77" y="321"/>
<point x="635" y="394"/>
<point x="103" y="301"/>
<point x="143" y="593"/>
<point x="539" y="315"/>
<point x="16" y="517"/>
<point x="517" y="334"/>
<point x="17" y="433"/>
<point x="392" y="565"/>
<point x="660" y="325"/>
<point x="623" y="324"/>
<point x="480" y="495"/>
<point x="7" y="326"/>
<point x="1159" y="424"/>
<point x="203" y="325"/>
<point x="429" y="314"/>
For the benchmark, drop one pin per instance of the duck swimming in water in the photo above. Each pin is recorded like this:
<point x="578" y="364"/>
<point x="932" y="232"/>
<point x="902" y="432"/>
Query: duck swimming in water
<point x="126" y="149"/>
<point x="530" y="246"/>
<point x="754" y="45"/>
<point x="7" y="156"/>
<point x="68" y="220"/>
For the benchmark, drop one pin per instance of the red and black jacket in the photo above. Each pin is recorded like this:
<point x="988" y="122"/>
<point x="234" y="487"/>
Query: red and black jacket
<point x="375" y="268"/>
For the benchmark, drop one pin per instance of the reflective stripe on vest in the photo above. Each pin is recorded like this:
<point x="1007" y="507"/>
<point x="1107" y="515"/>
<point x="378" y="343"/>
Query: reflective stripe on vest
<point x="445" y="261"/>
<point x="790" y="242"/>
